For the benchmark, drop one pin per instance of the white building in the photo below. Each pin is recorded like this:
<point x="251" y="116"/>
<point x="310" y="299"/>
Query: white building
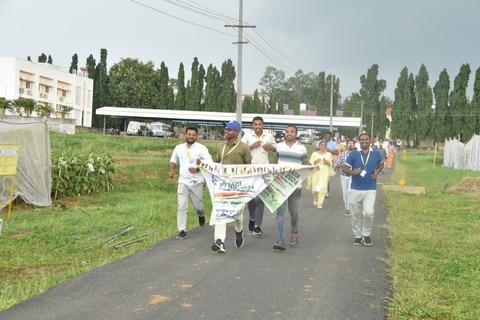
<point x="49" y="84"/>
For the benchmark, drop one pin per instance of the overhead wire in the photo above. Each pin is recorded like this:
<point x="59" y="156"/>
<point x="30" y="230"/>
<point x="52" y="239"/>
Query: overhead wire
<point x="180" y="19"/>
<point x="205" y="11"/>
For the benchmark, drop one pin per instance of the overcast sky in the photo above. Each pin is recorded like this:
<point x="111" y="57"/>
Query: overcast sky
<point x="341" y="37"/>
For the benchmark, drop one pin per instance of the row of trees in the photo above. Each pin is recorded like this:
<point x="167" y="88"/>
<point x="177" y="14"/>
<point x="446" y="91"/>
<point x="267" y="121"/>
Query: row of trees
<point x="312" y="89"/>
<point x="43" y="58"/>
<point x="420" y="113"/>
<point x="25" y="107"/>
<point x="136" y="84"/>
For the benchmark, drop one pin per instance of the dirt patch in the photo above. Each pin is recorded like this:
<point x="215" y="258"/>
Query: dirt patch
<point x="123" y="161"/>
<point x="404" y="189"/>
<point x="467" y="185"/>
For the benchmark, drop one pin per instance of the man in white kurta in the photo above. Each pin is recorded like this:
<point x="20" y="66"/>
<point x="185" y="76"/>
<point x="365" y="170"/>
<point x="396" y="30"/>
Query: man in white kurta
<point x="260" y="143"/>
<point x="190" y="181"/>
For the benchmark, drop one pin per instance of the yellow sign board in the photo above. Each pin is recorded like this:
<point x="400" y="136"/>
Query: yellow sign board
<point x="8" y="160"/>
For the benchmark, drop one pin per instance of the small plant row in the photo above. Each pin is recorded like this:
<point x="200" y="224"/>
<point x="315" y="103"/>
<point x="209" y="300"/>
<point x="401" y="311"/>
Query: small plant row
<point x="76" y="174"/>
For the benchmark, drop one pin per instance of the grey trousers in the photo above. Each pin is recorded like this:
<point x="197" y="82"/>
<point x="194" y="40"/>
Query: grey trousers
<point x="292" y="204"/>
<point x="255" y="211"/>
<point x="362" y="211"/>
<point x="185" y="192"/>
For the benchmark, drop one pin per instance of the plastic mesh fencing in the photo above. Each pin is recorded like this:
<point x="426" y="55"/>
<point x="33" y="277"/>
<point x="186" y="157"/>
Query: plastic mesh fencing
<point x="34" y="175"/>
<point x="462" y="156"/>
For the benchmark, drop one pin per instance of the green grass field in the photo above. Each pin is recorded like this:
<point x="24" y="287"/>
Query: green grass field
<point x="40" y="247"/>
<point x="434" y="246"/>
<point x="435" y="238"/>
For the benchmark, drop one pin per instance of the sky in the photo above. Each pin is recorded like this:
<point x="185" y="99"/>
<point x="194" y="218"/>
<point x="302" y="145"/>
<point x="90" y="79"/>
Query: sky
<point x="340" y="37"/>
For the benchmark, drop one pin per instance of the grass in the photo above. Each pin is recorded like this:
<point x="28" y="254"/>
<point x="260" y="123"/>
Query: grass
<point x="41" y="247"/>
<point x="434" y="251"/>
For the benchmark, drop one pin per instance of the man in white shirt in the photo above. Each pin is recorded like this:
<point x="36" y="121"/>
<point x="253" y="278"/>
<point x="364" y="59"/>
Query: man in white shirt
<point x="190" y="181"/>
<point x="289" y="151"/>
<point x="260" y="144"/>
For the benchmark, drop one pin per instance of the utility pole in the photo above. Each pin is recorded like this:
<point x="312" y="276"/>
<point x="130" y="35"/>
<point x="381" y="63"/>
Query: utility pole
<point x="371" y="132"/>
<point x="360" y="130"/>
<point x="240" y="42"/>
<point x="332" y="79"/>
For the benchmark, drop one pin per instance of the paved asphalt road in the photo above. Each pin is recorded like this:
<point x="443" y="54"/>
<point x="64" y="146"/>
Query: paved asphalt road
<point x="324" y="277"/>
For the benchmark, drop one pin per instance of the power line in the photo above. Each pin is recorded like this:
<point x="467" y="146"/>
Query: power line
<point x="180" y="19"/>
<point x="205" y="11"/>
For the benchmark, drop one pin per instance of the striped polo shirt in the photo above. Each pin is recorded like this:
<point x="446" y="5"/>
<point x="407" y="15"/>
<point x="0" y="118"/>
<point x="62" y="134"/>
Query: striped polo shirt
<point x="295" y="154"/>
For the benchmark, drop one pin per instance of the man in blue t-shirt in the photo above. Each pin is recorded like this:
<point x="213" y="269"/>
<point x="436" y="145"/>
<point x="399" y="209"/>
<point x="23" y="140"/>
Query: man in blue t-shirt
<point x="364" y="167"/>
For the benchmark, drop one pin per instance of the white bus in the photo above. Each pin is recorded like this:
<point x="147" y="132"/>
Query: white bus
<point x="161" y="129"/>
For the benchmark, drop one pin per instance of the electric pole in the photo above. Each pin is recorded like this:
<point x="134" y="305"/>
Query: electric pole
<point x="360" y="130"/>
<point x="332" y="79"/>
<point x="240" y="42"/>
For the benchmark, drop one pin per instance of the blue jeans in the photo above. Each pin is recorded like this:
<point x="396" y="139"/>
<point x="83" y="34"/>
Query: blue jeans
<point x="255" y="211"/>
<point x="292" y="203"/>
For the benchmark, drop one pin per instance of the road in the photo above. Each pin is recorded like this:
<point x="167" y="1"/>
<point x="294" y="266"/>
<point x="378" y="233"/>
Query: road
<point x="324" y="277"/>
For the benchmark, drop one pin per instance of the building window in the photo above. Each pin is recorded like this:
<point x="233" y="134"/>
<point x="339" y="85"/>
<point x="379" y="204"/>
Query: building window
<point x="78" y="96"/>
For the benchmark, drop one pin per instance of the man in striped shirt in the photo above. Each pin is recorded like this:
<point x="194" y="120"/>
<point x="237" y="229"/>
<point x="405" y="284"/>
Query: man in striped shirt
<point x="289" y="151"/>
<point x="345" y="178"/>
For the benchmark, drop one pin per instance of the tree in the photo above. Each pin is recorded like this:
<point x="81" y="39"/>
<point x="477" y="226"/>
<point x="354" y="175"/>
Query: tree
<point x="212" y="89"/>
<point x="462" y="123"/>
<point x="64" y="111"/>
<point x="42" y="58"/>
<point x="132" y="84"/>
<point x="411" y="111"/>
<point x="24" y="106"/>
<point x="164" y="96"/>
<point x="74" y="64"/>
<point x="440" y="121"/>
<point x="400" y="107"/>
<point x="227" y="92"/>
<point x="424" y="104"/>
<point x="100" y="88"/>
<point x="247" y="105"/>
<point x="5" y="105"/>
<point x="193" y="86"/>
<point x="272" y="79"/>
<point x="322" y="98"/>
<point x="475" y="104"/>
<point x="198" y="90"/>
<point x="257" y="104"/>
<point x="352" y="105"/>
<point x="180" y="99"/>
<point x="50" y="60"/>
<point x="44" y="109"/>
<point x="90" y="65"/>
<point x="371" y="90"/>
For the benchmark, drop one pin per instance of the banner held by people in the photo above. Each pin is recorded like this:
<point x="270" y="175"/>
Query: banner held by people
<point x="231" y="187"/>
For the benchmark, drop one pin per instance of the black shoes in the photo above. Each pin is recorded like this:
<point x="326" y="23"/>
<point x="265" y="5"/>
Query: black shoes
<point x="367" y="242"/>
<point x="257" y="231"/>
<point x="251" y="225"/>
<point x="201" y="221"/>
<point x="277" y="245"/>
<point x="218" y="246"/>
<point x="182" y="235"/>
<point x="238" y="239"/>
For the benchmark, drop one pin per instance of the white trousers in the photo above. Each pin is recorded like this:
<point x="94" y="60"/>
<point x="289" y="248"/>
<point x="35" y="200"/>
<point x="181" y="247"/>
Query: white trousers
<point x="185" y="192"/>
<point x="345" y="182"/>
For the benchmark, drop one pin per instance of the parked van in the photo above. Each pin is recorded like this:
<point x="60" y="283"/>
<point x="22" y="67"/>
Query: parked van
<point x="161" y="129"/>
<point x="136" y="128"/>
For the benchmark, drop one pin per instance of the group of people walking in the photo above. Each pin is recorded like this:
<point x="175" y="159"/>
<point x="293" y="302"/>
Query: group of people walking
<point x="359" y="170"/>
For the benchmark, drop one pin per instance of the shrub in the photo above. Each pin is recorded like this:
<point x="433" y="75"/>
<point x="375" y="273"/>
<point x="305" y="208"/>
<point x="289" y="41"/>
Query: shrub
<point x="76" y="174"/>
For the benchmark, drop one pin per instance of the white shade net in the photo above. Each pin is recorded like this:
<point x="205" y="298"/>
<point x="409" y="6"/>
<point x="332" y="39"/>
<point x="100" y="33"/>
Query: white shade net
<point x="34" y="175"/>
<point x="462" y="156"/>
